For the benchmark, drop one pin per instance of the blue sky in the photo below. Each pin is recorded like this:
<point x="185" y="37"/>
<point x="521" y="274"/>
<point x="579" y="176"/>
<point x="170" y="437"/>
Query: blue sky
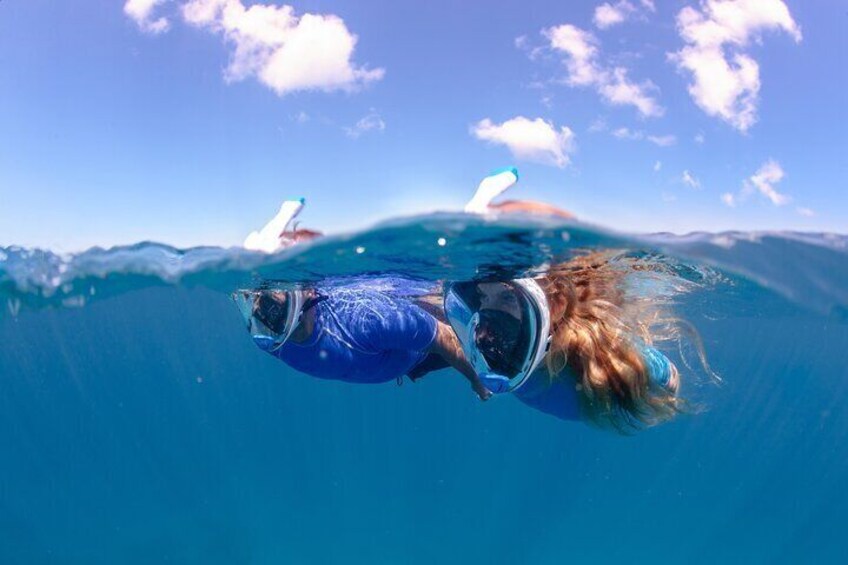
<point x="188" y="122"/>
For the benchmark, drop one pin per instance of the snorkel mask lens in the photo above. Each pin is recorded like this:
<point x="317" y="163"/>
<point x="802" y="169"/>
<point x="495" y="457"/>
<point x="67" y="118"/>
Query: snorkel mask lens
<point x="272" y="309"/>
<point x="499" y="339"/>
<point x="503" y="328"/>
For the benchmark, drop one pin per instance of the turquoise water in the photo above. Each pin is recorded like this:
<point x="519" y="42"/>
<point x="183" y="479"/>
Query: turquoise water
<point x="138" y="423"/>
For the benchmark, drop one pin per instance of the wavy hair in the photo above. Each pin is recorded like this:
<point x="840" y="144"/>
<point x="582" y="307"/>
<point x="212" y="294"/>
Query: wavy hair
<point x="598" y="335"/>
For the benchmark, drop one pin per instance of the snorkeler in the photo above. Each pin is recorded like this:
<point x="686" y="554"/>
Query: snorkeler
<point x="351" y="332"/>
<point x="565" y="344"/>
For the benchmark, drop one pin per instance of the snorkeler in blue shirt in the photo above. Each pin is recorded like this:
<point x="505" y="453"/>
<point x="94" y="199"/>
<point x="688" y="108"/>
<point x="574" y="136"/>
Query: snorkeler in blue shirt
<point x="352" y="333"/>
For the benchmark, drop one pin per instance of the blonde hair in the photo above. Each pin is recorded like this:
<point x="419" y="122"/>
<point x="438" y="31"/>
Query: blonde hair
<point x="599" y="336"/>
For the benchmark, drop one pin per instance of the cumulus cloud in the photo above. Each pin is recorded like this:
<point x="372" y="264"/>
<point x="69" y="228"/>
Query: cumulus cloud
<point x="638" y="135"/>
<point x="690" y="180"/>
<point x="141" y="12"/>
<point x="580" y="49"/>
<point x="532" y="140"/>
<point x="726" y="79"/>
<point x="370" y="122"/>
<point x="282" y="50"/>
<point x="607" y="14"/>
<point x="763" y="182"/>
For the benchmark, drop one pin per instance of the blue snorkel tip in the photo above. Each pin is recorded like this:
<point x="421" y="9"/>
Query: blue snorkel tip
<point x="502" y="170"/>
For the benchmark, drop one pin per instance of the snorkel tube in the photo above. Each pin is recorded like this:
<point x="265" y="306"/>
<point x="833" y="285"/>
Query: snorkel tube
<point x="490" y="188"/>
<point x="268" y="238"/>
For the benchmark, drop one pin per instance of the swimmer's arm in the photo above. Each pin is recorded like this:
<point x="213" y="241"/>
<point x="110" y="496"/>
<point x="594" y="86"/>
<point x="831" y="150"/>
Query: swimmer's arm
<point x="447" y="346"/>
<point x="299" y="235"/>
<point x="530" y="207"/>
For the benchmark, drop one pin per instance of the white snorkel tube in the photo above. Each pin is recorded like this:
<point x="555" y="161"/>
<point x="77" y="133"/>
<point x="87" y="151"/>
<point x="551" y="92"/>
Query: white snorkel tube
<point x="490" y="188"/>
<point x="268" y="239"/>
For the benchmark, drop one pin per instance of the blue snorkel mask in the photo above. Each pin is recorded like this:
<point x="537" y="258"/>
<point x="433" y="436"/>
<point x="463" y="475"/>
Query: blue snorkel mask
<point x="271" y="316"/>
<point x="503" y="327"/>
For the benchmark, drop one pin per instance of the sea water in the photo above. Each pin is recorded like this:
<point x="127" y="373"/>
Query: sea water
<point x="139" y="424"/>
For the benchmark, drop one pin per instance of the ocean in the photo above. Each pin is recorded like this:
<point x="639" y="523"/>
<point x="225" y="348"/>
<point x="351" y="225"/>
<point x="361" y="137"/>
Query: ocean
<point x="139" y="424"/>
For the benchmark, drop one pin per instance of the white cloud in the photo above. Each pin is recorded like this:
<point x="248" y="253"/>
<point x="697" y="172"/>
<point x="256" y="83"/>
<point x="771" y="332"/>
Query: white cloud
<point x="627" y="133"/>
<point x="699" y="139"/>
<point x="638" y="135"/>
<point x="617" y="89"/>
<point x="282" y="50"/>
<point x="806" y="212"/>
<point x="598" y="125"/>
<point x="141" y="11"/>
<point x="370" y="122"/>
<point x="725" y="79"/>
<point x="584" y="69"/>
<point x="581" y="50"/>
<point x="764" y="181"/>
<point x="533" y="140"/>
<point x="690" y="180"/>
<point x="662" y="140"/>
<point x="657" y="166"/>
<point x="607" y="14"/>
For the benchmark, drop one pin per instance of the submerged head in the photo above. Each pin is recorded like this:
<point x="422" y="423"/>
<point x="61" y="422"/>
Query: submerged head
<point x="272" y="316"/>
<point x="503" y="328"/>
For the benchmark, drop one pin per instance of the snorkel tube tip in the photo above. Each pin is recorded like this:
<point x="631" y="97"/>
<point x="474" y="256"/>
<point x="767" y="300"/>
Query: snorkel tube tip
<point x="490" y="188"/>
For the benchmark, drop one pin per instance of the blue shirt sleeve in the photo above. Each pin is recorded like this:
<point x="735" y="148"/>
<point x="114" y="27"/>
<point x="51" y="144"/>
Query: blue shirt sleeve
<point x="399" y="325"/>
<point x="658" y="365"/>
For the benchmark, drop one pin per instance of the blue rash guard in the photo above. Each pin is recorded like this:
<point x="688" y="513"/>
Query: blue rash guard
<point x="558" y="397"/>
<point x="360" y="336"/>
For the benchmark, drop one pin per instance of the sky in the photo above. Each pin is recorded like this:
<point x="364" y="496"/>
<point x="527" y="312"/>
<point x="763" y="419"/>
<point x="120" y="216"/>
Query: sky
<point x="188" y="121"/>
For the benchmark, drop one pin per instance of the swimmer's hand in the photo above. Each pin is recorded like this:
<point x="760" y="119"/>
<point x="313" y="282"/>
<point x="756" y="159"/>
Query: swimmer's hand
<point x="298" y="235"/>
<point x="447" y="346"/>
<point x="480" y="389"/>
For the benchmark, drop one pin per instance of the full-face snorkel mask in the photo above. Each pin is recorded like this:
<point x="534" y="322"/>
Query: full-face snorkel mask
<point x="271" y="315"/>
<point x="503" y="327"/>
